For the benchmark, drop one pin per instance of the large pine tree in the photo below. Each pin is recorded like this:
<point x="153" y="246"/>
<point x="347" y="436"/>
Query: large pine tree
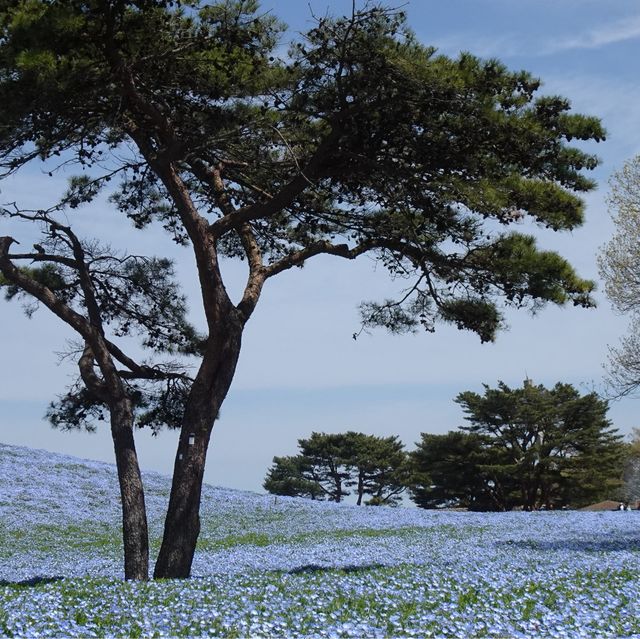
<point x="359" y="141"/>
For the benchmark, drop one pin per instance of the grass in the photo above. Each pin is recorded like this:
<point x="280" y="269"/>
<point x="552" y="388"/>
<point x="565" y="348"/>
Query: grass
<point x="261" y="539"/>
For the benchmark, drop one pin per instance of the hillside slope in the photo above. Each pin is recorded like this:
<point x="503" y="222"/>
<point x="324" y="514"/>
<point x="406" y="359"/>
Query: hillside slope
<point x="295" y="568"/>
<point x="63" y="514"/>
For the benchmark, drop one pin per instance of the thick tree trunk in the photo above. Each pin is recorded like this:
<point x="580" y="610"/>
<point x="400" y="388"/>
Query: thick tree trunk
<point x="135" y="533"/>
<point x="182" y="523"/>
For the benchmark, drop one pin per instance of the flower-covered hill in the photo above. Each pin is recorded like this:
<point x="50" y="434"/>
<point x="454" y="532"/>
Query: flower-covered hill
<point x="291" y="567"/>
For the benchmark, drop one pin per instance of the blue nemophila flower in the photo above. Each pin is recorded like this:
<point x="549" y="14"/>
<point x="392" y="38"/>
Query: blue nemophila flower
<point x="294" y="568"/>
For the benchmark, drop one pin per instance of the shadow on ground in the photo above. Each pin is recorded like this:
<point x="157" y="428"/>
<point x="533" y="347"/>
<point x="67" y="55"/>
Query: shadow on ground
<point x="311" y="568"/>
<point x="603" y="544"/>
<point x="30" y="583"/>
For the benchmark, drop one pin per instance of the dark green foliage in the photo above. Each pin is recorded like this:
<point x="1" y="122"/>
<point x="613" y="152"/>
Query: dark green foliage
<point x="318" y="471"/>
<point x="404" y="152"/>
<point x="289" y="476"/>
<point x="157" y="403"/>
<point x="446" y="471"/>
<point x="77" y="409"/>
<point x="135" y="295"/>
<point x="132" y="296"/>
<point x="327" y="463"/>
<point x="377" y="466"/>
<point x="528" y="447"/>
<point x="49" y="275"/>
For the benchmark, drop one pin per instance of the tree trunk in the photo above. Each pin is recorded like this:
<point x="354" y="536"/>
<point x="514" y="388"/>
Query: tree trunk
<point x="338" y="483"/>
<point x="360" y="489"/>
<point x="524" y="496"/>
<point x="182" y="523"/>
<point x="135" y="533"/>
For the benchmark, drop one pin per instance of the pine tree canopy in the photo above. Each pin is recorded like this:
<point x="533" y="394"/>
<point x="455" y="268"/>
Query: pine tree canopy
<point x="529" y="447"/>
<point x="358" y="140"/>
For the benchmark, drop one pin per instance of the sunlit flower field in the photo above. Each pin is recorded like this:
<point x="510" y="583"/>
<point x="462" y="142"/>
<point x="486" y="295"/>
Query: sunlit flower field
<point x="287" y="567"/>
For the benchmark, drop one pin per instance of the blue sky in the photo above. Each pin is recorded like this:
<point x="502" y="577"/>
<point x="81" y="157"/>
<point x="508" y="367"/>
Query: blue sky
<point x="300" y="370"/>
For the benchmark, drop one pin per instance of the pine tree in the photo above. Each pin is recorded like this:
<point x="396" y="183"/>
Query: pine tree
<point x="528" y="447"/>
<point x="360" y="141"/>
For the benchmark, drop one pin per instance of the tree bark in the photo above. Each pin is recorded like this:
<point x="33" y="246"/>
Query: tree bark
<point x="360" y="489"/>
<point x="135" y="533"/>
<point x="338" y="484"/>
<point x="182" y="523"/>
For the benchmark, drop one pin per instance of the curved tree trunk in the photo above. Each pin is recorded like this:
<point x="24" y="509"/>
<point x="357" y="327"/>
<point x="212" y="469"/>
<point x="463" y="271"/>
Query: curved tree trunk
<point x="109" y="388"/>
<point x="182" y="523"/>
<point x="135" y="533"/>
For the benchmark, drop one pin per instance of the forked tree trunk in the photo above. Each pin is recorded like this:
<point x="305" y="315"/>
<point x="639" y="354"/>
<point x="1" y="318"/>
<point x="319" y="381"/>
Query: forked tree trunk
<point x="182" y="523"/>
<point x="135" y="533"/>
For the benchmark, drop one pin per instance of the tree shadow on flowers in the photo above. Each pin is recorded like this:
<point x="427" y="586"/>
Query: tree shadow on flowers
<point x="313" y="568"/>
<point x="32" y="582"/>
<point x="594" y="544"/>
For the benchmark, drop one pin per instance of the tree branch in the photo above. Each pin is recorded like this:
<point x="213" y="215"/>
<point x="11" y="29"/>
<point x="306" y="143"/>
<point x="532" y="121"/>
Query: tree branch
<point x="42" y="293"/>
<point x="139" y="371"/>
<point x="43" y="257"/>
<point x="212" y="176"/>
<point x="86" y="283"/>
<point x="88" y="374"/>
<point x="318" y="248"/>
<point x="282" y="198"/>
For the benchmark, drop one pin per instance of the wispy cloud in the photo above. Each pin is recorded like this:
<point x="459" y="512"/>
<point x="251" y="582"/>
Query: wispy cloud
<point x="533" y="42"/>
<point x="619" y="31"/>
<point x="482" y="46"/>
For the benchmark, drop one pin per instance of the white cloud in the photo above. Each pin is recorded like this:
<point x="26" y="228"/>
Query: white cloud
<point x="533" y="42"/>
<point x="619" y="31"/>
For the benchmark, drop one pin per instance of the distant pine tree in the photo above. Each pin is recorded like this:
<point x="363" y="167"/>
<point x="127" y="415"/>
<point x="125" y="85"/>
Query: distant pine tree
<point x="329" y="463"/>
<point x="528" y="447"/>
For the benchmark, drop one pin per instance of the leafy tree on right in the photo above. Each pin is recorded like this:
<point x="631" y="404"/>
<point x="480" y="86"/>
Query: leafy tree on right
<point x="528" y="447"/>
<point x="630" y="489"/>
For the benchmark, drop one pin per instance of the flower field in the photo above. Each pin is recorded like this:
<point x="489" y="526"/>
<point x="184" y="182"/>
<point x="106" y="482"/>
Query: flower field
<point x="293" y="568"/>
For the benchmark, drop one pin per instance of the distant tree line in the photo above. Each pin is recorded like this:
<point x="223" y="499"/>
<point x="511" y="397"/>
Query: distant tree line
<point x="530" y="447"/>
